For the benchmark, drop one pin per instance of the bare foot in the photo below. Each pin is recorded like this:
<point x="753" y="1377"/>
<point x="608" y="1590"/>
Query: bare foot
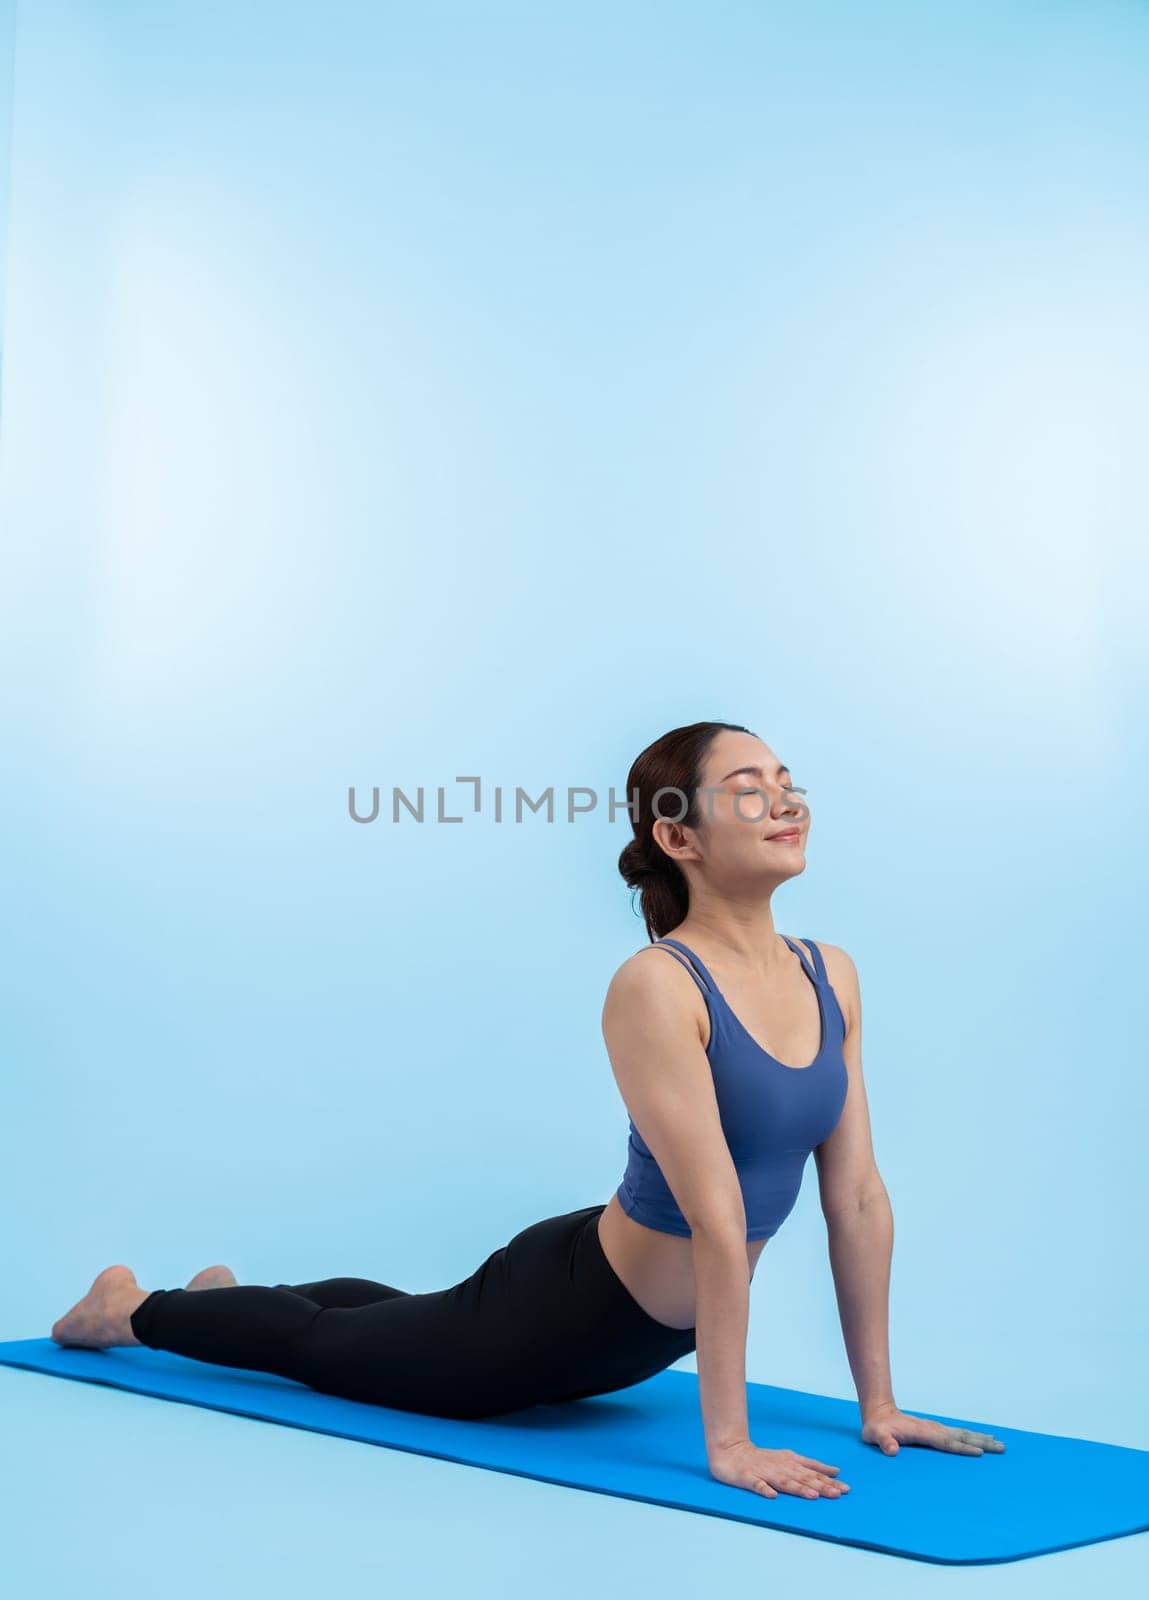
<point x="101" y="1319"/>
<point x="214" y="1278"/>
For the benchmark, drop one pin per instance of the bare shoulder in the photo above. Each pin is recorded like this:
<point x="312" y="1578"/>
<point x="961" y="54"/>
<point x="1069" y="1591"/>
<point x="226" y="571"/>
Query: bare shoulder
<point x="642" y="973"/>
<point x="652" y="998"/>
<point x="843" y="976"/>
<point x="644" y="984"/>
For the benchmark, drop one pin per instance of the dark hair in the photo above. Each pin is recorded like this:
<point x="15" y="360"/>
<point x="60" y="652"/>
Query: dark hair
<point x="673" y="763"/>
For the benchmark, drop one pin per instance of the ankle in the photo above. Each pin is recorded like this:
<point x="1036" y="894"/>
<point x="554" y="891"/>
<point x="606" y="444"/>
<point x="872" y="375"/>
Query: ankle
<point x="133" y="1299"/>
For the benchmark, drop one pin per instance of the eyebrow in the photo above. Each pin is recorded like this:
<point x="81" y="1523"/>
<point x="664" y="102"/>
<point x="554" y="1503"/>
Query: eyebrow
<point x="757" y="771"/>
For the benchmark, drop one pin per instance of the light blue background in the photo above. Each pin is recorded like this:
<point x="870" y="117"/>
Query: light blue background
<point x="393" y="393"/>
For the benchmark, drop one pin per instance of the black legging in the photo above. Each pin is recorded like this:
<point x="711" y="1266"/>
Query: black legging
<point x="544" y="1318"/>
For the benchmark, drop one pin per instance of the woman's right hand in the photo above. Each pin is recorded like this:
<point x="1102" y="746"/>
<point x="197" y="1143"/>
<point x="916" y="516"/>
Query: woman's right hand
<point x="774" y="1472"/>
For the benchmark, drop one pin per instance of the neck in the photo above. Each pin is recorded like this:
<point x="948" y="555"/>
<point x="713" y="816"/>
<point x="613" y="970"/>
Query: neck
<point x="744" y="932"/>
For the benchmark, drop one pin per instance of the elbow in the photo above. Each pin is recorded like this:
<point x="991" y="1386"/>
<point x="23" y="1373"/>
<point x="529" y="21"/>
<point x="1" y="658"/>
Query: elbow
<point x="856" y="1200"/>
<point x="721" y="1228"/>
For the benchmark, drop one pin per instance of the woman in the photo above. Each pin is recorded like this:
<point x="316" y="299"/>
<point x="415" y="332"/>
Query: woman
<point x="601" y="1298"/>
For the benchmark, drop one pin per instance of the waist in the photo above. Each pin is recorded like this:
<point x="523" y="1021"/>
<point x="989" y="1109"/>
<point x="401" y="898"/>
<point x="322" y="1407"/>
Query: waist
<point x="657" y="1268"/>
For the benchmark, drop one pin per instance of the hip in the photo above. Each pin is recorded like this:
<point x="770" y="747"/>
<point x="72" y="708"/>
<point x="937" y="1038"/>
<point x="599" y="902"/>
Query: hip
<point x="596" y="1335"/>
<point x="555" y="1277"/>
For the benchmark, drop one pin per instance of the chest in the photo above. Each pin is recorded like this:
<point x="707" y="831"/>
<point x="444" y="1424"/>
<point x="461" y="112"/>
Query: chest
<point x="766" y="1107"/>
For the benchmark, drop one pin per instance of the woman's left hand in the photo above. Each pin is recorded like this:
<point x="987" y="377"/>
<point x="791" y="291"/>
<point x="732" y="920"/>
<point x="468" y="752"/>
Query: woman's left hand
<point x="890" y="1428"/>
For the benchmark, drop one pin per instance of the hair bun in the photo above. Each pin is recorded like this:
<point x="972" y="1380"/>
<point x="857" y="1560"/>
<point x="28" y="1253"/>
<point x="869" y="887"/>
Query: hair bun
<point x="634" y="865"/>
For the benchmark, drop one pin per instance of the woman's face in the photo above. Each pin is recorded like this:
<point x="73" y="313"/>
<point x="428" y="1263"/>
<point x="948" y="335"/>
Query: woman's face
<point x="746" y="800"/>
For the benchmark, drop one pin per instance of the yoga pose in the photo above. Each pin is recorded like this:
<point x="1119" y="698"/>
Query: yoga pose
<point x="737" y="1052"/>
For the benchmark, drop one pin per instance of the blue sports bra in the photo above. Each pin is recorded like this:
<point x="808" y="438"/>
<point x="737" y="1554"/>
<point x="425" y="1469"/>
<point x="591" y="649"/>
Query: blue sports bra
<point x="772" y="1115"/>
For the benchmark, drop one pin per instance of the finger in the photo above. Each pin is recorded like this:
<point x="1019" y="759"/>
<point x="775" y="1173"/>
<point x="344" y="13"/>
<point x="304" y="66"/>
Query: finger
<point x="764" y="1488"/>
<point x="967" y="1437"/>
<point x="818" y="1466"/>
<point x="819" y="1482"/>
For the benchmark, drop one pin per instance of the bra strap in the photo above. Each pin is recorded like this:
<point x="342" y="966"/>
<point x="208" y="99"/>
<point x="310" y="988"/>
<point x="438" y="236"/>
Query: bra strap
<point x="705" y="981"/>
<point x="818" y="973"/>
<point x="657" y="944"/>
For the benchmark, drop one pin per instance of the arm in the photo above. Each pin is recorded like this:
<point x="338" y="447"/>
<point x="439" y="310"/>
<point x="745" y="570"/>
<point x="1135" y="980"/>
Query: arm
<point x="859" y="1219"/>
<point x="860" y="1225"/>
<point x="651" y="1028"/>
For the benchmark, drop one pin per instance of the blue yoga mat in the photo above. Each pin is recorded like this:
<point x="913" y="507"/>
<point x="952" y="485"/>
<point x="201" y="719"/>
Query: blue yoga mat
<point x="1044" y="1493"/>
